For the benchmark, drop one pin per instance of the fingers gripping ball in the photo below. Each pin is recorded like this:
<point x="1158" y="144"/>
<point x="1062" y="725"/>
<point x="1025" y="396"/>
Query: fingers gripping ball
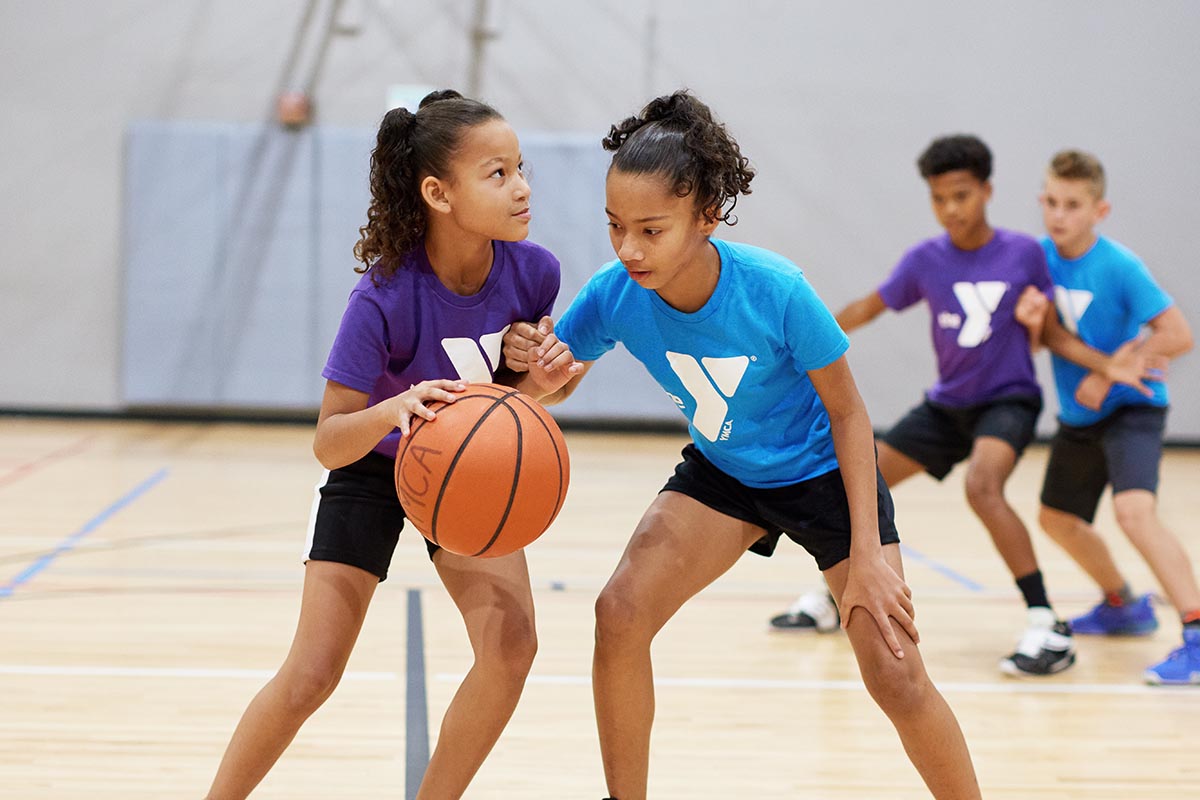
<point x="488" y="476"/>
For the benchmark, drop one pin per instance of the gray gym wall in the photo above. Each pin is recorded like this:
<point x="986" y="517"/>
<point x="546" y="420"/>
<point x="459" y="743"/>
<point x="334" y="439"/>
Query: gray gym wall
<point x="832" y="102"/>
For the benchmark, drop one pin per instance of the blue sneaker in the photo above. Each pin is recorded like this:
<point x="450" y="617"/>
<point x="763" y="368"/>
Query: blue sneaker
<point x="1135" y="619"/>
<point x="1182" y="667"/>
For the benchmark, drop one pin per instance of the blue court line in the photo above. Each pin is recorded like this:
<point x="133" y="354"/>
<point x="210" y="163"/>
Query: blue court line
<point x="921" y="558"/>
<point x="67" y="544"/>
<point x="416" y="714"/>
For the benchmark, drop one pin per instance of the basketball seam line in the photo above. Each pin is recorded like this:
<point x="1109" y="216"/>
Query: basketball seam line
<point x="437" y="505"/>
<point x="560" y="494"/>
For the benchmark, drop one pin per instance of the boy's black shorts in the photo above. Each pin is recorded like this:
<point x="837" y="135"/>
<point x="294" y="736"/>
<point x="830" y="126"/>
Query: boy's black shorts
<point x="814" y="514"/>
<point x="1123" y="449"/>
<point x="357" y="517"/>
<point x="938" y="437"/>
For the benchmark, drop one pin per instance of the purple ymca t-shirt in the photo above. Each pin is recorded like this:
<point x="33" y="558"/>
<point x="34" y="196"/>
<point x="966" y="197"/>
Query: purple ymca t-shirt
<point x="982" y="351"/>
<point x="411" y="328"/>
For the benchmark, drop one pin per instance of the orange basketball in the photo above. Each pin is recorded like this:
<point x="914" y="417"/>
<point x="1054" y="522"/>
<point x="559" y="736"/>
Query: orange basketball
<point x="486" y="477"/>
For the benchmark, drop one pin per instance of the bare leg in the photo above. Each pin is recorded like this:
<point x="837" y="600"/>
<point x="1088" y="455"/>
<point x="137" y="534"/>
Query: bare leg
<point x="926" y="725"/>
<point x="992" y="461"/>
<point x="1083" y="544"/>
<point x="495" y="600"/>
<point x="679" y="547"/>
<point x="332" y="610"/>
<point x="1137" y="514"/>
<point x="894" y="465"/>
<point x="496" y="603"/>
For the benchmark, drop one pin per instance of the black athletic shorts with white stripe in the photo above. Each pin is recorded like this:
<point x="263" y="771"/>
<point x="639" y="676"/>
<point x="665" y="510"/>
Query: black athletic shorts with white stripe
<point x="357" y="517"/>
<point x="814" y="514"/>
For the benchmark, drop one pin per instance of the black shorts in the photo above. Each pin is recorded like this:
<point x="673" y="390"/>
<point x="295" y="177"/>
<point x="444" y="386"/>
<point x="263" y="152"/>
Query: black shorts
<point x="357" y="518"/>
<point x="814" y="514"/>
<point x="1123" y="449"/>
<point x="937" y="437"/>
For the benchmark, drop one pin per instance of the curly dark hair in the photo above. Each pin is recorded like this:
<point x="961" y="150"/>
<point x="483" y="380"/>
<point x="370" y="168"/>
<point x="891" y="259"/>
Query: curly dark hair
<point x="408" y="148"/>
<point x="950" y="153"/>
<point x="677" y="137"/>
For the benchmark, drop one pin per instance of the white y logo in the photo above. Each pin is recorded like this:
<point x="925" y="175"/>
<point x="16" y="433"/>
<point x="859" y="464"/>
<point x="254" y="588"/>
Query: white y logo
<point x="1072" y="303"/>
<point x="467" y="355"/>
<point x="978" y="301"/>
<point x="726" y="374"/>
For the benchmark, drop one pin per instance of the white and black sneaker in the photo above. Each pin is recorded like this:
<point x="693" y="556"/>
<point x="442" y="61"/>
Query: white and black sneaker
<point x="812" y="612"/>
<point x="1045" y="648"/>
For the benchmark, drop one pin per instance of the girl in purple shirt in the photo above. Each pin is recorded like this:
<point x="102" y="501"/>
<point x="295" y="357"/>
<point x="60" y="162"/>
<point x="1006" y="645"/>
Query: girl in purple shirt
<point x="446" y="271"/>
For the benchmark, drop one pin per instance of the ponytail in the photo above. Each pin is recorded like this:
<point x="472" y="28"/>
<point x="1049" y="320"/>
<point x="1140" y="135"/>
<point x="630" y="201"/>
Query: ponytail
<point x="408" y="148"/>
<point x="676" y="137"/>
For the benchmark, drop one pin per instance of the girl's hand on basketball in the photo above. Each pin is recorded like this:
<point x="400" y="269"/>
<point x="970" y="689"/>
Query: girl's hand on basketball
<point x="521" y="337"/>
<point x="874" y="586"/>
<point x="412" y="403"/>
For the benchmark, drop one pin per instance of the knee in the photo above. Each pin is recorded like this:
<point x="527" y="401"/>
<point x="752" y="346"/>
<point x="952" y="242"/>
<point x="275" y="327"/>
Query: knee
<point x="306" y="688"/>
<point x="511" y="658"/>
<point x="983" y="490"/>
<point x="1134" y="518"/>
<point x="897" y="689"/>
<point x="616" y="619"/>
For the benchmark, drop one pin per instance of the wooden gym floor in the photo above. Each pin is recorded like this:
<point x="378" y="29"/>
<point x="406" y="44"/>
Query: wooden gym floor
<point x="150" y="578"/>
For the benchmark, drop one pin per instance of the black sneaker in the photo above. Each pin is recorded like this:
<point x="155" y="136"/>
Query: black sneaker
<point x="1045" y="648"/>
<point x="812" y="612"/>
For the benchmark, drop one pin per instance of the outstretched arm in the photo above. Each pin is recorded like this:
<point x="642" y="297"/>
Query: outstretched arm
<point x="1170" y="337"/>
<point x="1130" y="364"/>
<point x="871" y="584"/>
<point x="860" y="312"/>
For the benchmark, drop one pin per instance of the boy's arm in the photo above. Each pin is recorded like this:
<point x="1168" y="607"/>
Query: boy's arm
<point x="1170" y="337"/>
<point x="1031" y="309"/>
<point x="872" y="584"/>
<point x="860" y="312"/>
<point x="1129" y="364"/>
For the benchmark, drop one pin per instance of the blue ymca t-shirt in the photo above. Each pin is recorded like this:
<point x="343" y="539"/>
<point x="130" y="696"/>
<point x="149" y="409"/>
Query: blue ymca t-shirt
<point x="736" y="367"/>
<point x="1104" y="297"/>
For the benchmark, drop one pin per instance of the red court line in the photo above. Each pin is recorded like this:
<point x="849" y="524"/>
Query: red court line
<point x="24" y="470"/>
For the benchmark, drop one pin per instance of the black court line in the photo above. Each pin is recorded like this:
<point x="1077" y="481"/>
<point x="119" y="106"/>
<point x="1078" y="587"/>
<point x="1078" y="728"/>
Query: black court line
<point x="416" y="717"/>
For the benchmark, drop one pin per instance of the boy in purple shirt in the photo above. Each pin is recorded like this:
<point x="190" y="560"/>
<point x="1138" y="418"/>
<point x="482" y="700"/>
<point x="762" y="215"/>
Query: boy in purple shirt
<point x="986" y="401"/>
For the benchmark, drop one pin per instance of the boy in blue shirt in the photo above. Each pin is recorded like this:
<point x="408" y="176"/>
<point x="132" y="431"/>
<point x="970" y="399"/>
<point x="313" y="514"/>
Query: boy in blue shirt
<point x="1109" y="434"/>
